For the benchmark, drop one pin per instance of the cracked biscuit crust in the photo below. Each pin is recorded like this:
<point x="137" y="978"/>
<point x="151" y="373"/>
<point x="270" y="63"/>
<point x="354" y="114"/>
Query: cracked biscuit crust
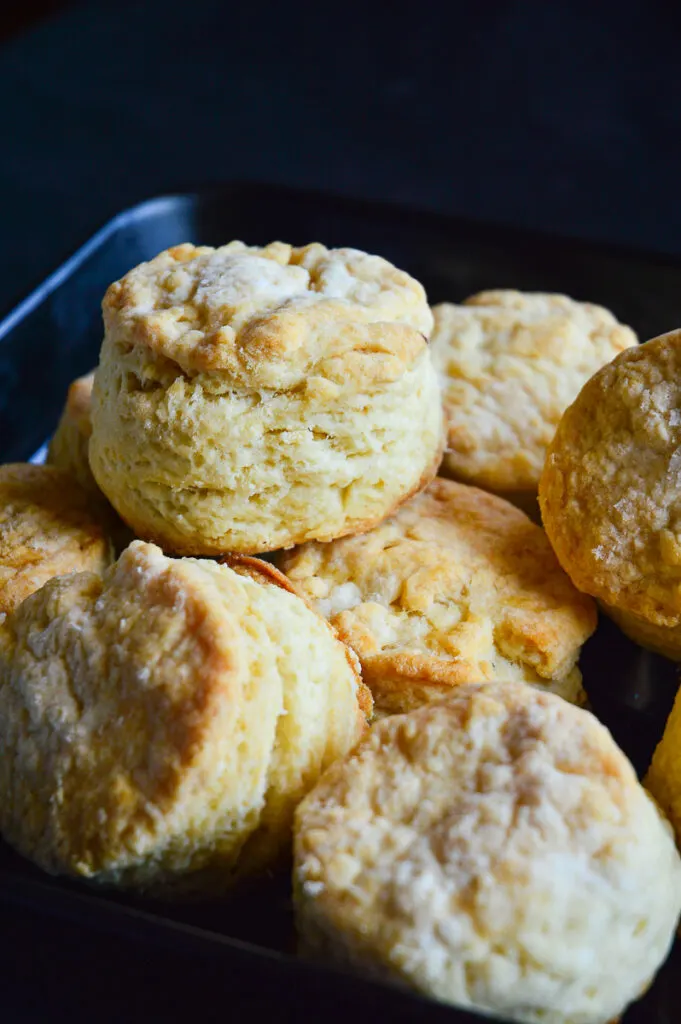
<point x="47" y="528"/>
<point x="159" y="724"/>
<point x="510" y="363"/>
<point x="610" y="493"/>
<point x="490" y="850"/>
<point x="457" y="587"/>
<point x="249" y="399"/>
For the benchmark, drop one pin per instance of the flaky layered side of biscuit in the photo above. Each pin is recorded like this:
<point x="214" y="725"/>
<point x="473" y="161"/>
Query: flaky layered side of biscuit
<point x="494" y="850"/>
<point x="249" y="399"/>
<point x="510" y="363"/>
<point x="160" y="724"/>
<point x="458" y="586"/>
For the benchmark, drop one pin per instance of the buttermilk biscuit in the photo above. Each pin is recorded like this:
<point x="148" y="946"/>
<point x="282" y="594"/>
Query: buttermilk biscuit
<point x="664" y="775"/>
<point x="457" y="587"/>
<point x="248" y="399"/>
<point x="46" y="529"/>
<point x="509" y="364"/>
<point x="159" y="725"/>
<point x="494" y="850"/>
<point x="610" y="493"/>
<point x="68" y="448"/>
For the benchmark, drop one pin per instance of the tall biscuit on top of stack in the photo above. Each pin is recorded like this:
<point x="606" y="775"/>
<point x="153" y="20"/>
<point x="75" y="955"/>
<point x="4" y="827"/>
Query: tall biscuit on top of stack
<point x="249" y="399"/>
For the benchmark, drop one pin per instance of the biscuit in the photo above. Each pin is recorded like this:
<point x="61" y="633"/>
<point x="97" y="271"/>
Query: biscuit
<point x="457" y="587"/>
<point x="494" y="850"/>
<point x="249" y="399"/>
<point x="510" y="363"/>
<point x="610" y="493"/>
<point x="68" y="449"/>
<point x="47" y="528"/>
<point x="159" y="724"/>
<point x="663" y="779"/>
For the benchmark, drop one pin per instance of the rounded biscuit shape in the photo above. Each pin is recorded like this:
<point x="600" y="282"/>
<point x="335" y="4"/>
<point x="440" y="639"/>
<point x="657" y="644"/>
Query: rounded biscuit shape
<point x="69" y="451"/>
<point x="494" y="850"/>
<point x="457" y="587"/>
<point x="68" y="448"/>
<point x="610" y="493"/>
<point x="160" y="724"/>
<point x="249" y="399"/>
<point x="510" y="363"/>
<point x="47" y="528"/>
<point x="663" y="778"/>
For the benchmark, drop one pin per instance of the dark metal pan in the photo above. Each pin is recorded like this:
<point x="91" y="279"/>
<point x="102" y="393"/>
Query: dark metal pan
<point x="54" y="335"/>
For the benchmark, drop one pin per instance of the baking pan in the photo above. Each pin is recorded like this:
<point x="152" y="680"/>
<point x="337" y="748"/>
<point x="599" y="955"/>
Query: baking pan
<point x="54" y="335"/>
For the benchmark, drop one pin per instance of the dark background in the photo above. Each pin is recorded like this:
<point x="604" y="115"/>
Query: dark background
<point x="558" y="115"/>
<point x="563" y="116"/>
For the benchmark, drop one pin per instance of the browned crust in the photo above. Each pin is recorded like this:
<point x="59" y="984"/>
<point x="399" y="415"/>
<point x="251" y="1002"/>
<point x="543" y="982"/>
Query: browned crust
<point x="401" y="682"/>
<point x="573" y="503"/>
<point x="266" y="336"/>
<point x="48" y="527"/>
<point x="258" y="570"/>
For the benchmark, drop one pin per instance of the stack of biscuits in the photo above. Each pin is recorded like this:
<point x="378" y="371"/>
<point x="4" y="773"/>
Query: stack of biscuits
<point x="241" y="615"/>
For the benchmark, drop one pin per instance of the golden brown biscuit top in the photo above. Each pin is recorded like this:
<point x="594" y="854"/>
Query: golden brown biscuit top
<point x="454" y="573"/>
<point x="475" y="831"/>
<point x="151" y="624"/>
<point x="611" y="490"/>
<point x="47" y="528"/>
<point x="510" y="362"/>
<point x="538" y="325"/>
<point x="494" y="770"/>
<point x="125" y="678"/>
<point x="270" y="316"/>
